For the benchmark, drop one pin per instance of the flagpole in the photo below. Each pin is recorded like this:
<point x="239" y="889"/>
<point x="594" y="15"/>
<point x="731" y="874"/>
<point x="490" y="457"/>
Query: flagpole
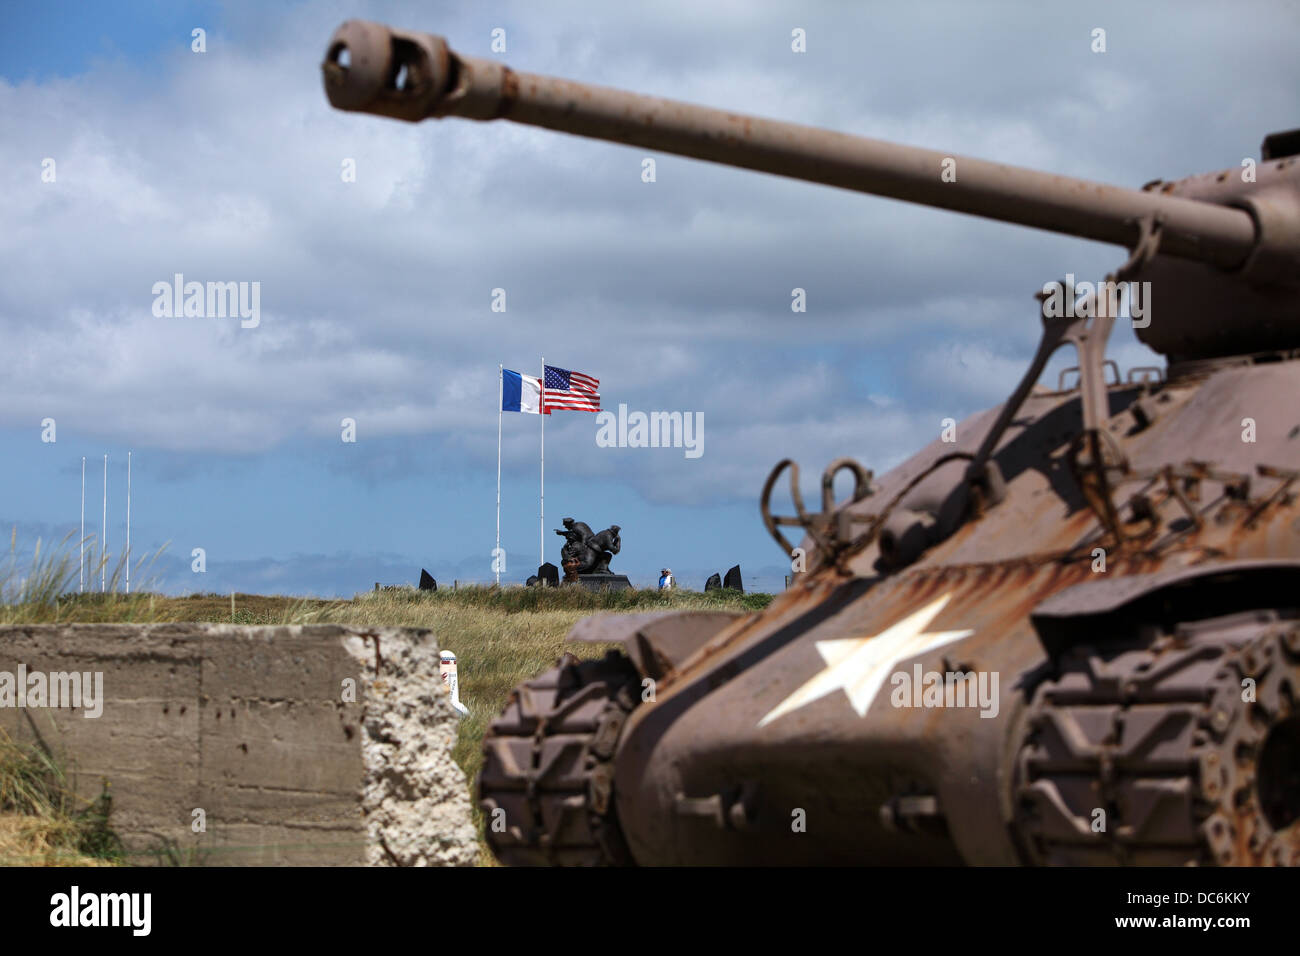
<point x="103" y="536"/>
<point x="541" y="524"/>
<point x="128" y="522"/>
<point x="82" y="577"/>
<point x="501" y="390"/>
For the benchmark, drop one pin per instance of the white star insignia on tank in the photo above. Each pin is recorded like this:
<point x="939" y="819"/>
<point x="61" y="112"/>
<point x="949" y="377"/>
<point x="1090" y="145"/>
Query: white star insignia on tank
<point x="859" y="665"/>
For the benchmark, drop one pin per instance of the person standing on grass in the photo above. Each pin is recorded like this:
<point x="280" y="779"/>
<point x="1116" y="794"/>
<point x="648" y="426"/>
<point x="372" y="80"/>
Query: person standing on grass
<point x="666" y="579"/>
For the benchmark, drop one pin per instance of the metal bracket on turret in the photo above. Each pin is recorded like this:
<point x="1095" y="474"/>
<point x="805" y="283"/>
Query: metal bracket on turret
<point x="1095" y="456"/>
<point x="1088" y="335"/>
<point x="1086" y="326"/>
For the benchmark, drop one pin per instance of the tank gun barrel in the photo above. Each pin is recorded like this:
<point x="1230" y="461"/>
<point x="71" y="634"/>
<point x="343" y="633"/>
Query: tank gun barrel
<point x="370" y="68"/>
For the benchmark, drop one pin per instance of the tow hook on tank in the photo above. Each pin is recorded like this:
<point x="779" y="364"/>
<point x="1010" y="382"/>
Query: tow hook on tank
<point x="926" y="516"/>
<point x="731" y="810"/>
<point x="905" y="535"/>
<point x="915" y="813"/>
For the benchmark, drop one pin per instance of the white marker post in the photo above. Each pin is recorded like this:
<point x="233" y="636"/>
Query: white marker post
<point x="447" y="670"/>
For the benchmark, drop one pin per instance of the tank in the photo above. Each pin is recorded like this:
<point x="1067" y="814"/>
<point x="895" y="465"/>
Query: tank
<point x="1064" y="632"/>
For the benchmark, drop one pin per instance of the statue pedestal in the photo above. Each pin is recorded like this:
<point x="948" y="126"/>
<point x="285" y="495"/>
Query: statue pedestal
<point x="604" y="582"/>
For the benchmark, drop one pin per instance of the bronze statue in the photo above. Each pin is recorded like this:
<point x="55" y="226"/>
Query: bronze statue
<point x="576" y="535"/>
<point x="587" y="552"/>
<point x="606" y="544"/>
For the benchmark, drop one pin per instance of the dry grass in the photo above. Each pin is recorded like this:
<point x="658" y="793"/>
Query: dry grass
<point x="44" y="590"/>
<point x="500" y="636"/>
<point x="42" y="822"/>
<point x="32" y="841"/>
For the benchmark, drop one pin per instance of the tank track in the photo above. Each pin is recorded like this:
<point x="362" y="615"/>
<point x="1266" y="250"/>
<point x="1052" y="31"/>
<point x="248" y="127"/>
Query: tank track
<point x="547" y="788"/>
<point x="1151" y="755"/>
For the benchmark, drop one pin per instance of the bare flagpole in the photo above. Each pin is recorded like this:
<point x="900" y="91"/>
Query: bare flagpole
<point x="82" y="586"/>
<point x="541" y="525"/>
<point x="501" y="388"/>
<point x="128" y="522"/>
<point x="103" y="535"/>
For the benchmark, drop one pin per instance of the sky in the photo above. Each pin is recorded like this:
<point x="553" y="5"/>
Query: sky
<point x="376" y="294"/>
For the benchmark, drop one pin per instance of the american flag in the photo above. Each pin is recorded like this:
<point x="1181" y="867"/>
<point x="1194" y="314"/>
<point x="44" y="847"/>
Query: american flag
<point x="569" y="390"/>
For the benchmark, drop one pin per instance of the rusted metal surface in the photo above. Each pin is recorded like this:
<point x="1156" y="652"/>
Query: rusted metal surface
<point x="1102" y="595"/>
<point x="1096" y="577"/>
<point x="656" y="642"/>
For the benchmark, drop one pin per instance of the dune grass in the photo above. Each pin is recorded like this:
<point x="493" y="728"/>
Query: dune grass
<point x="42" y="822"/>
<point x="43" y="590"/>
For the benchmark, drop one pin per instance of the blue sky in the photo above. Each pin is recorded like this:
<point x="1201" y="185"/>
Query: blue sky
<point x="59" y="38"/>
<point x="225" y="166"/>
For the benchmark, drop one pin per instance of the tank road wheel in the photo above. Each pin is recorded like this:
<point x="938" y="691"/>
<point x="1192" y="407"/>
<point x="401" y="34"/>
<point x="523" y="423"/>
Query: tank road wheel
<point x="546" y="788"/>
<point x="1183" y="751"/>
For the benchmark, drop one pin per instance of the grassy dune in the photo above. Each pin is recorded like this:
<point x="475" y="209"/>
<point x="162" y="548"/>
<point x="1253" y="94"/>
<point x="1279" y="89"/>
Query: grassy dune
<point x="500" y="636"/>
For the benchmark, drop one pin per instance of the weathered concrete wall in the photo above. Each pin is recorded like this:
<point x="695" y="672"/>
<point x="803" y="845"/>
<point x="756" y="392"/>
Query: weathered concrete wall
<point x="317" y="745"/>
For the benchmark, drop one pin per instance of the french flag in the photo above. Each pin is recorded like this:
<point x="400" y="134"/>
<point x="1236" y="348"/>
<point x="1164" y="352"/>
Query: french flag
<point x="520" y="393"/>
